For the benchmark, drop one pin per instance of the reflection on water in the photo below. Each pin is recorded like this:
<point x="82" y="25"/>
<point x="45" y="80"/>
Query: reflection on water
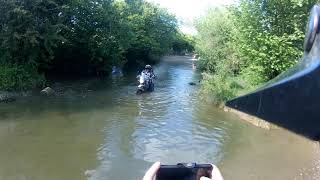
<point x="101" y="130"/>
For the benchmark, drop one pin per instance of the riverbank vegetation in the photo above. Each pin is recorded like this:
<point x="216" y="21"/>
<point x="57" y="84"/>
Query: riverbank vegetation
<point x="80" y="38"/>
<point x="247" y="44"/>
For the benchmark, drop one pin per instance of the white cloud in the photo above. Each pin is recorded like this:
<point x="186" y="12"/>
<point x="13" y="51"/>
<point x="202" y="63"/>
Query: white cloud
<point x="187" y="10"/>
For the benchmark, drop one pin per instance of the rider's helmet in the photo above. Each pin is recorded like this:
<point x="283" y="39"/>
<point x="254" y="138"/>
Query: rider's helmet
<point x="148" y="67"/>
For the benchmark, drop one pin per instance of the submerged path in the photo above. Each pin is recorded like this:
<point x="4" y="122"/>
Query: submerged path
<point x="101" y="130"/>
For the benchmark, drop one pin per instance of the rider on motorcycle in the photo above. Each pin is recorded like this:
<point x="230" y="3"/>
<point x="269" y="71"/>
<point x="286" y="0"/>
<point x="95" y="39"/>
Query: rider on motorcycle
<point x="146" y="79"/>
<point x="149" y="71"/>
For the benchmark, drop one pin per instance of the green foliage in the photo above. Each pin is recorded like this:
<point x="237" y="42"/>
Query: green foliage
<point x="218" y="56"/>
<point x="85" y="37"/>
<point x="183" y="44"/>
<point x="254" y="40"/>
<point x="13" y="77"/>
<point x="153" y="29"/>
<point x="270" y="34"/>
<point x="214" y="41"/>
<point x="220" y="85"/>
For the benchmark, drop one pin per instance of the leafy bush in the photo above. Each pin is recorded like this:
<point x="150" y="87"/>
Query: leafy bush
<point x="183" y="44"/>
<point x="219" y="87"/>
<point x="252" y="42"/>
<point x="19" y="78"/>
<point x="79" y="37"/>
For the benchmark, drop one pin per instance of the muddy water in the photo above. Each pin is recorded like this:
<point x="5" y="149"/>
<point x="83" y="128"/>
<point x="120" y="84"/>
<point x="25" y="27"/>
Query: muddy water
<point x="99" y="130"/>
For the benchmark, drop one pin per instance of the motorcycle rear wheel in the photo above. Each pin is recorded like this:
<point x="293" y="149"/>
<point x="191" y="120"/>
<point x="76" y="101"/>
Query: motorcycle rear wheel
<point x="139" y="91"/>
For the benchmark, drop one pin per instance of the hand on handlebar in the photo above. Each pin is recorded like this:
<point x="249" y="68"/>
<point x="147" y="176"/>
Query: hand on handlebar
<point x="152" y="171"/>
<point x="216" y="174"/>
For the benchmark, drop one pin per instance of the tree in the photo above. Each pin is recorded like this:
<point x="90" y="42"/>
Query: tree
<point x="78" y="37"/>
<point x="154" y="31"/>
<point x="249" y="43"/>
<point x="271" y="35"/>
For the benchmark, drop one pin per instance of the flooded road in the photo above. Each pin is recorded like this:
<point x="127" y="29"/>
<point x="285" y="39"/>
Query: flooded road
<point x="101" y="130"/>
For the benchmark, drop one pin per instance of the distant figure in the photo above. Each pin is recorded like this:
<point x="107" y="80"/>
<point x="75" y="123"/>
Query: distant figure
<point x="116" y="71"/>
<point x="194" y="66"/>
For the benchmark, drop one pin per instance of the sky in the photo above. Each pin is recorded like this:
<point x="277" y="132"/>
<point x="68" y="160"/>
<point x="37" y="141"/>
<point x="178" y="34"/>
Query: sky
<point x="187" y="10"/>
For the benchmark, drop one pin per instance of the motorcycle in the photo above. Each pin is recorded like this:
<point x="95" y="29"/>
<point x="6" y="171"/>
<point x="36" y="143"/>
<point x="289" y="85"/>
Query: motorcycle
<point x="145" y="83"/>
